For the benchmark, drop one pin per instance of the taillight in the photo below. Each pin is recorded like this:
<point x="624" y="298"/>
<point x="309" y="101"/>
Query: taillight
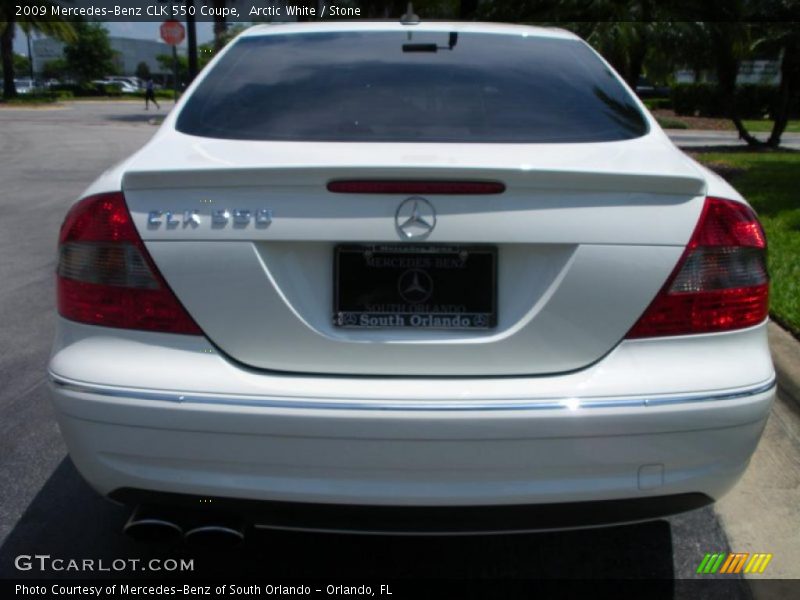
<point x="381" y="186"/>
<point x="721" y="281"/>
<point x="105" y="275"/>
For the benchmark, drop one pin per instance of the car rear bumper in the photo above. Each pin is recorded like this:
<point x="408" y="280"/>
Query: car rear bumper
<point x="401" y="442"/>
<point x="422" y="457"/>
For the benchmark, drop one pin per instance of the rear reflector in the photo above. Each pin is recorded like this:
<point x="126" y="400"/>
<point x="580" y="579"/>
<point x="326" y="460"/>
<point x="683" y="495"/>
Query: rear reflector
<point x="105" y="275"/>
<point x="720" y="283"/>
<point x="417" y="187"/>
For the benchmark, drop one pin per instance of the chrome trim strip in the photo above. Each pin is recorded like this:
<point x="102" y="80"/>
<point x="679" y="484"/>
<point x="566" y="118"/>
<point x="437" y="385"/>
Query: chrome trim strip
<point x="399" y="405"/>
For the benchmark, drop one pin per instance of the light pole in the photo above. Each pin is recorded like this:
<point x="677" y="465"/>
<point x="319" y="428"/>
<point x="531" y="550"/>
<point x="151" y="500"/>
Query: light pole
<point x="30" y="55"/>
<point x="191" y="40"/>
<point x="175" y="69"/>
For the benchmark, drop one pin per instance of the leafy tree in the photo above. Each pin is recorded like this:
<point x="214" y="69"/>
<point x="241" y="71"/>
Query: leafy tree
<point x="143" y="71"/>
<point x="55" y="69"/>
<point x="645" y="36"/>
<point x="230" y="33"/>
<point x="49" y="26"/>
<point x="624" y="32"/>
<point x="625" y="45"/>
<point x="22" y="64"/>
<point x="786" y="36"/>
<point x="166" y="62"/>
<point x="90" y="56"/>
<point x="781" y="39"/>
<point x="220" y="24"/>
<point x="735" y="31"/>
<point x="686" y="44"/>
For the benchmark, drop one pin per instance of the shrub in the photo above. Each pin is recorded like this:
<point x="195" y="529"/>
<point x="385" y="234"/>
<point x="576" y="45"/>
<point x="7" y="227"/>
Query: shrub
<point x="754" y="101"/>
<point x="693" y="99"/>
<point x="39" y="98"/>
<point x="668" y="123"/>
<point x="89" y="89"/>
<point x="162" y="94"/>
<point x="658" y="103"/>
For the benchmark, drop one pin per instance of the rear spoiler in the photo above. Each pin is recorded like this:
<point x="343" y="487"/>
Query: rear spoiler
<point x="295" y="176"/>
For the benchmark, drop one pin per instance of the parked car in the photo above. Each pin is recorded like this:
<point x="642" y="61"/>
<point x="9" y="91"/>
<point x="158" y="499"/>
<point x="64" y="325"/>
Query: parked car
<point x="646" y="89"/>
<point x="124" y="86"/>
<point x="427" y="277"/>
<point x="24" y="85"/>
<point x="129" y="84"/>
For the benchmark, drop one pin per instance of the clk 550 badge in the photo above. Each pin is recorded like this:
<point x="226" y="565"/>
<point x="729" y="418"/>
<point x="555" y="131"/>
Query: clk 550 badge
<point x="219" y="217"/>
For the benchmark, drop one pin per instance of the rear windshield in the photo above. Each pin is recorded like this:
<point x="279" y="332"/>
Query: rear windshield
<point x="411" y="87"/>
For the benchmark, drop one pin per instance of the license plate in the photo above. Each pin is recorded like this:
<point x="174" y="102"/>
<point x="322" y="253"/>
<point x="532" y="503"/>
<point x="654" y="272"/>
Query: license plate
<point x="415" y="287"/>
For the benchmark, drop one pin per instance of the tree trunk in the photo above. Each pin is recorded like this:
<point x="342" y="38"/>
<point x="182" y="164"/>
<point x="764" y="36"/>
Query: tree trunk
<point x="220" y="26"/>
<point x="638" y="50"/>
<point x="727" y="70"/>
<point x="636" y="61"/>
<point x="191" y="41"/>
<point x="790" y="71"/>
<point x="7" y="52"/>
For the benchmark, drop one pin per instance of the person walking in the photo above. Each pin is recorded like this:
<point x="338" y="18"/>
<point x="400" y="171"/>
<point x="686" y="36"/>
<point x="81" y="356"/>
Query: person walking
<point x="150" y="95"/>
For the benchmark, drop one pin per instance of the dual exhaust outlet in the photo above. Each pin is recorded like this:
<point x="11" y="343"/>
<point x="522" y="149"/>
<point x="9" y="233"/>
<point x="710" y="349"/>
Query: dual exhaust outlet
<point x="165" y="524"/>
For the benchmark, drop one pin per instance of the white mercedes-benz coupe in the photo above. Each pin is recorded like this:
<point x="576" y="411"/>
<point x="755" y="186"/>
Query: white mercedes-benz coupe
<point x="385" y="277"/>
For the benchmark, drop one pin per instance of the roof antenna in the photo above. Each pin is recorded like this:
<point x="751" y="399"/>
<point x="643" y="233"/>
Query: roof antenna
<point x="410" y="18"/>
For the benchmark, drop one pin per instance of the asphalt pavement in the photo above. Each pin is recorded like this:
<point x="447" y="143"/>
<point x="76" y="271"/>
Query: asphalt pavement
<point x="688" y="138"/>
<point x="47" y="158"/>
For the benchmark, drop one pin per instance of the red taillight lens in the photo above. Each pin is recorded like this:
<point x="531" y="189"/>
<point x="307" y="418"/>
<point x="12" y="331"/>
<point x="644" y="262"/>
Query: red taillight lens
<point x="456" y="188"/>
<point x="721" y="281"/>
<point x="105" y="275"/>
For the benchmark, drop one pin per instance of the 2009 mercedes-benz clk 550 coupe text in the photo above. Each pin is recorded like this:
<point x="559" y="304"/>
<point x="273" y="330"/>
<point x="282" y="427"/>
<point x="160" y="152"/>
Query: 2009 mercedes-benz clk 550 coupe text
<point x="393" y="277"/>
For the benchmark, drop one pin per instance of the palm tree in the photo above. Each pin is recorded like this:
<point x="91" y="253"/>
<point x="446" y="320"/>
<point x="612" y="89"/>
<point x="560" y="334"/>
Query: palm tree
<point x="45" y="25"/>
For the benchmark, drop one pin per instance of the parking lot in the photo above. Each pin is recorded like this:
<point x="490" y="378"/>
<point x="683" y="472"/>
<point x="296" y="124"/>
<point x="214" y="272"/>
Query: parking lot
<point x="47" y="157"/>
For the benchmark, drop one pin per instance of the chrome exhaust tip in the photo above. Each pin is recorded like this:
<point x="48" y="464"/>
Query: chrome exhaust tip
<point x="149" y="524"/>
<point x="214" y="535"/>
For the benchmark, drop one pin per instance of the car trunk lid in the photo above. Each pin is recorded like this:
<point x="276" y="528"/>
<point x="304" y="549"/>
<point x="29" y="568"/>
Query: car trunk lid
<point x="585" y="235"/>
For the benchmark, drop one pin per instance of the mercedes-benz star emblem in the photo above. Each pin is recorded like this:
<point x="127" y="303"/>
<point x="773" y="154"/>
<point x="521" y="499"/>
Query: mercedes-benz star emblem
<point x="415" y="218"/>
<point x="415" y="286"/>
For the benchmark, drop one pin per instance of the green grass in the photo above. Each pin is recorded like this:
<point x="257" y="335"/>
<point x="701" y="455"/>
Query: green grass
<point x="28" y="99"/>
<point x="138" y="96"/>
<point x="764" y="125"/>
<point x="670" y="123"/>
<point x="770" y="182"/>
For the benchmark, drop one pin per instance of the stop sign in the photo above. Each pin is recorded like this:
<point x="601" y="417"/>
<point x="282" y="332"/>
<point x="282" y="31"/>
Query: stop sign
<point x="172" y="32"/>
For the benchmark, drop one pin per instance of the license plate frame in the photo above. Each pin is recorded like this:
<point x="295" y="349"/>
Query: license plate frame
<point x="400" y="275"/>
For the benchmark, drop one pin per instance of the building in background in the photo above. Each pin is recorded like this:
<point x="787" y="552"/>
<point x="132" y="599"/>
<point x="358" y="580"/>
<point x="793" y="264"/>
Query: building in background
<point x="766" y="72"/>
<point x="129" y="53"/>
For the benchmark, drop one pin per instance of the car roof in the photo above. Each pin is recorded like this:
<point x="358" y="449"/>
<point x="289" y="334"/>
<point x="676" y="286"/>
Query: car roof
<point x="436" y="26"/>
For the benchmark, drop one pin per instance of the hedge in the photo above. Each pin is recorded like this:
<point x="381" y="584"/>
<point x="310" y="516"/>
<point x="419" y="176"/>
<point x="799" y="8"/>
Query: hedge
<point x="161" y="94"/>
<point x="706" y="100"/>
<point x="88" y="89"/>
<point x="656" y="103"/>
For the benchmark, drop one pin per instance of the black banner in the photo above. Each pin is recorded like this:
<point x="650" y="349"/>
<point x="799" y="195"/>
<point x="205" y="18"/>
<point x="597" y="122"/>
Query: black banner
<point x="253" y="11"/>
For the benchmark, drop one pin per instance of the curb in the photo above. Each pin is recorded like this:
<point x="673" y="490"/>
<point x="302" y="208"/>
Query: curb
<point x="786" y="357"/>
